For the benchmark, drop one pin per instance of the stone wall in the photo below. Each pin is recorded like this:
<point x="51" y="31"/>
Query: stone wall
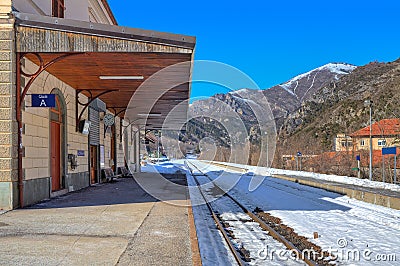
<point x="8" y="126"/>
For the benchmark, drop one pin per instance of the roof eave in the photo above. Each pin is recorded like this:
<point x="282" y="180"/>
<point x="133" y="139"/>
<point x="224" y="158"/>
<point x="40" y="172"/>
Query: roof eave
<point x="110" y="13"/>
<point x="97" y="29"/>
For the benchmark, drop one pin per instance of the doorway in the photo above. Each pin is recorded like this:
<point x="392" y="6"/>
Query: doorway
<point x="93" y="164"/>
<point x="55" y="157"/>
<point x="56" y="143"/>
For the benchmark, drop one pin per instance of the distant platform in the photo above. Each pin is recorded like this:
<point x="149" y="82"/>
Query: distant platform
<point x="378" y="196"/>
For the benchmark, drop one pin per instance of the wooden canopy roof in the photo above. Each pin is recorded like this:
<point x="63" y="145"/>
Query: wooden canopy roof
<point x="111" y="51"/>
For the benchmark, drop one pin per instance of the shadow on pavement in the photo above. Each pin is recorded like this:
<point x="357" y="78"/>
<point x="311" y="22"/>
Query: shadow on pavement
<point x="120" y="191"/>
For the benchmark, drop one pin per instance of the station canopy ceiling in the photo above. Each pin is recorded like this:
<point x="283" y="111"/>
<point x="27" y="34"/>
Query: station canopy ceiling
<point x="122" y="60"/>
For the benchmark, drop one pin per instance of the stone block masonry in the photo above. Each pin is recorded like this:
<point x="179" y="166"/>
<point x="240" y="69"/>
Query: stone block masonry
<point x="8" y="124"/>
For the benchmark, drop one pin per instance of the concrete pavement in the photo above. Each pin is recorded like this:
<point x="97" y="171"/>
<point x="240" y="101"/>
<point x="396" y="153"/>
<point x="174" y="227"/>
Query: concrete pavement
<point x="107" y="224"/>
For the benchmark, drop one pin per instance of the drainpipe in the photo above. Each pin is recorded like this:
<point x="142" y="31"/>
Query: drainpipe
<point x="19" y="121"/>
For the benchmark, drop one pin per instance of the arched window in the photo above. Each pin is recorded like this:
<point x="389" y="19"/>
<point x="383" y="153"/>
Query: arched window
<point x="56" y="113"/>
<point x="58" y="8"/>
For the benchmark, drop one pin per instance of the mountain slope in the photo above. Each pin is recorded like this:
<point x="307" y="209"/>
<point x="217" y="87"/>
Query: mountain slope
<point x="288" y="97"/>
<point x="236" y="107"/>
<point x="339" y="108"/>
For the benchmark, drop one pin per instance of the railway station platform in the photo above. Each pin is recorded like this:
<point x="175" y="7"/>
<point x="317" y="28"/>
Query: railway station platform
<point x="378" y="196"/>
<point x="105" y="224"/>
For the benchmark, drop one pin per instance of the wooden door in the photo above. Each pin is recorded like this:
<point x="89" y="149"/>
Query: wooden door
<point x="93" y="164"/>
<point x="55" y="156"/>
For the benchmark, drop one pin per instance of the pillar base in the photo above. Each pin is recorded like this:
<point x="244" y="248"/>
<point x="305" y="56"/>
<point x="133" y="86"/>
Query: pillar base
<point x="8" y="195"/>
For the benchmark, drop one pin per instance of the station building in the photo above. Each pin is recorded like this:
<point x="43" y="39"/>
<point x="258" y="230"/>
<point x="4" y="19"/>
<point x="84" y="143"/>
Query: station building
<point x="67" y="75"/>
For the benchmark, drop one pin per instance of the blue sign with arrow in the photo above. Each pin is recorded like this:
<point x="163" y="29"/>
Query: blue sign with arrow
<point x="43" y="100"/>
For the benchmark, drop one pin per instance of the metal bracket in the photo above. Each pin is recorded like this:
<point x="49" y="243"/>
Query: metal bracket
<point x="42" y="67"/>
<point x="78" y="116"/>
<point x="123" y="109"/>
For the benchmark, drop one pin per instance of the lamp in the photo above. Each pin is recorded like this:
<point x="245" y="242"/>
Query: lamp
<point x="150" y="115"/>
<point x="121" y="77"/>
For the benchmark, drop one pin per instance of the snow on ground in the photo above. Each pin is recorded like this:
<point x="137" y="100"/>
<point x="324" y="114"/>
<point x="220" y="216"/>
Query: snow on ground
<point x="213" y="249"/>
<point x="336" y="178"/>
<point x="248" y="234"/>
<point x="333" y="178"/>
<point x="164" y="167"/>
<point x="339" y="68"/>
<point x="358" y="233"/>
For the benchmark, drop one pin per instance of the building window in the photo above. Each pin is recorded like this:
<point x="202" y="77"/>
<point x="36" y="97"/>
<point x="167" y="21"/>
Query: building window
<point x="58" y="8"/>
<point x="381" y="142"/>
<point x="346" y="143"/>
<point x="362" y="142"/>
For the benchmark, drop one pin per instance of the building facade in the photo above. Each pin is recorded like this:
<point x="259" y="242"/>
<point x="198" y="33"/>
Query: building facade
<point x="62" y="48"/>
<point x="384" y="133"/>
<point x="343" y="143"/>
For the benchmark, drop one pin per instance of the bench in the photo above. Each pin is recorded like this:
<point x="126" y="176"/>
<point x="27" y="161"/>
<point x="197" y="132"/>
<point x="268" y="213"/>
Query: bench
<point x="124" y="172"/>
<point x="108" y="174"/>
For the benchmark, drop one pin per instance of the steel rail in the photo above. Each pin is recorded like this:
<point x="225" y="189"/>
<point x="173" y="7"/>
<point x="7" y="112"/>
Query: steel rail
<point x="235" y="253"/>
<point x="228" y="166"/>
<point x="257" y="219"/>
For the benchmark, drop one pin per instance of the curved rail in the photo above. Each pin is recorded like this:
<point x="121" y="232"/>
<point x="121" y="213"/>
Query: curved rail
<point x="253" y="216"/>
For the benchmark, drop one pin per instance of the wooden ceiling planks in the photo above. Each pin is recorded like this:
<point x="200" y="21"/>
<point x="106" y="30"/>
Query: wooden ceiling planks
<point x="84" y="71"/>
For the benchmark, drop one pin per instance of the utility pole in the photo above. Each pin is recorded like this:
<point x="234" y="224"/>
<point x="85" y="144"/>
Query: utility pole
<point x="383" y="168"/>
<point x="368" y="103"/>
<point x="158" y="147"/>
<point x="394" y="177"/>
<point x="267" y="151"/>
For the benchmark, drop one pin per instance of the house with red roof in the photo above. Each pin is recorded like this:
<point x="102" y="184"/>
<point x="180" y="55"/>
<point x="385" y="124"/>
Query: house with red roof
<point x="384" y="133"/>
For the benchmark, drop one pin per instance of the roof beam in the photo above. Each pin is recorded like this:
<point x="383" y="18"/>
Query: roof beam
<point x="47" y="34"/>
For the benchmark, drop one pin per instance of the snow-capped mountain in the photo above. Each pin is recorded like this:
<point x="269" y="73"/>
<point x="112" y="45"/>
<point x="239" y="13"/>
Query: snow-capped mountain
<point x="282" y="100"/>
<point x="288" y="97"/>
<point x="317" y="75"/>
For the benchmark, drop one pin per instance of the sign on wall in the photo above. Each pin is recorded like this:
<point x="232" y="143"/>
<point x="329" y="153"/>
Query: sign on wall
<point x="102" y="156"/>
<point x="43" y="100"/>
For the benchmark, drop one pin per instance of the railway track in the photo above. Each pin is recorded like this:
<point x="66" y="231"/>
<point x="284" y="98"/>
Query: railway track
<point x="231" y="167"/>
<point x="264" y="221"/>
<point x="279" y="186"/>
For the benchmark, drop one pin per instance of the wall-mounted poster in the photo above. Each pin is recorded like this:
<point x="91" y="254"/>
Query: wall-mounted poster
<point x="102" y="157"/>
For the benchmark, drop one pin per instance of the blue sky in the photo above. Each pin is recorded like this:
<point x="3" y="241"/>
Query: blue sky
<point x="273" y="41"/>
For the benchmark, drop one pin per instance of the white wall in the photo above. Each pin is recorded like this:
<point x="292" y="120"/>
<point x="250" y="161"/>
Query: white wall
<point x="77" y="9"/>
<point x="83" y="10"/>
<point x="41" y="7"/>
